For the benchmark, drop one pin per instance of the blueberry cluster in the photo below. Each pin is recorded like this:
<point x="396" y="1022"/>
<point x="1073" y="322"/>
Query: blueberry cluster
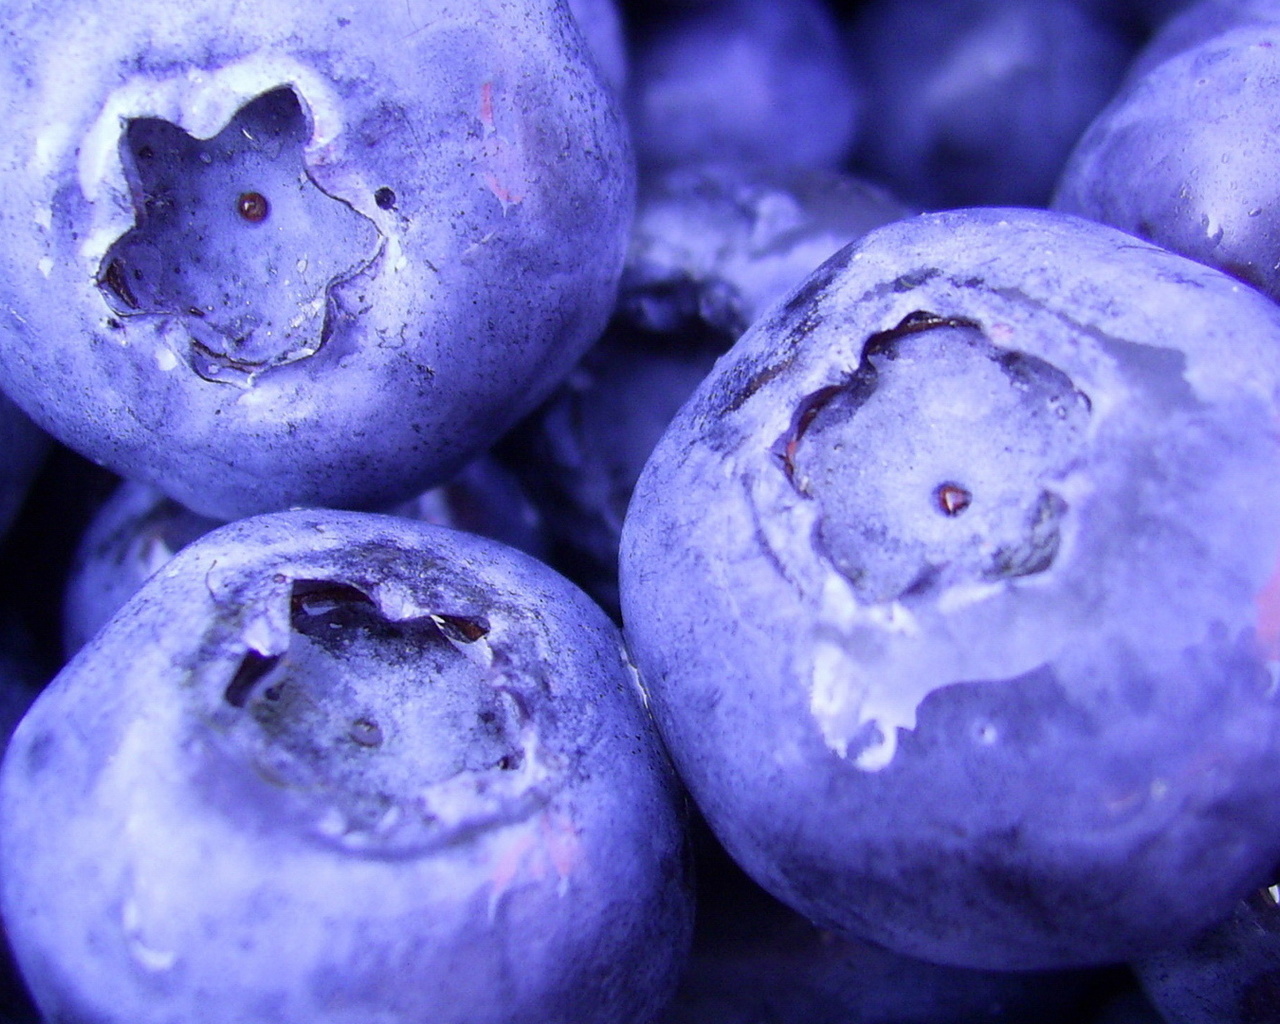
<point x="601" y="512"/>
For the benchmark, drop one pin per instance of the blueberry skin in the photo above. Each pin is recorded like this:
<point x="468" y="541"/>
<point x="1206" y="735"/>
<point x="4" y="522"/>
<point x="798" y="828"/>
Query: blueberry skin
<point x="751" y="80"/>
<point x="442" y="225"/>
<point x="21" y="677"/>
<point x="978" y="102"/>
<point x="1195" y="24"/>
<point x="336" y="767"/>
<point x="580" y="454"/>
<point x="133" y="535"/>
<point x="1184" y="156"/>
<point x="1037" y="745"/>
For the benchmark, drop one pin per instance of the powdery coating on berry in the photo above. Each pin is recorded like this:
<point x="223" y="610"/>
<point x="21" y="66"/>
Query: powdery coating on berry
<point x="601" y="25"/>
<point x="1183" y="157"/>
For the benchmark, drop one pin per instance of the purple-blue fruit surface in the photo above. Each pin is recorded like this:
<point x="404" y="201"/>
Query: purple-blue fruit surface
<point x="1197" y="23"/>
<point x="133" y="535"/>
<point x="299" y="253"/>
<point x="954" y="588"/>
<point x="21" y="676"/>
<point x="755" y="961"/>
<point x="716" y="243"/>
<point x="1184" y="156"/>
<point x="603" y="29"/>
<point x="333" y="766"/>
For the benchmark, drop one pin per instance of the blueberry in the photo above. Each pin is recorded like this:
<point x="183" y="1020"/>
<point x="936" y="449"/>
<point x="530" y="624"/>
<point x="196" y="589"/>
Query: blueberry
<point x="22" y="674"/>
<point x="1194" y="24"/>
<point x="1184" y="156"/>
<point x="752" y="80"/>
<point x="135" y="533"/>
<point x="485" y="498"/>
<point x="339" y="766"/>
<point x="296" y="256"/>
<point x="980" y="101"/>
<point x="953" y="586"/>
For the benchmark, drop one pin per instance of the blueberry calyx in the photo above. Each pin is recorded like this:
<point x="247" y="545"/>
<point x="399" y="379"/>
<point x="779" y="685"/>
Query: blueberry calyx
<point x="934" y="462"/>
<point x="235" y="240"/>
<point x="365" y="755"/>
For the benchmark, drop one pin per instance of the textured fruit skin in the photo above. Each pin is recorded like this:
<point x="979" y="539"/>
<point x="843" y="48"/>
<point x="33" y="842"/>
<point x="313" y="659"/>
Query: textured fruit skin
<point x="1183" y="156"/>
<point x="160" y="849"/>
<point x="1058" y="768"/>
<point x="715" y="244"/>
<point x="489" y="188"/>
<point x="1195" y="23"/>
<point x="601" y="25"/>
<point x="755" y="960"/>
